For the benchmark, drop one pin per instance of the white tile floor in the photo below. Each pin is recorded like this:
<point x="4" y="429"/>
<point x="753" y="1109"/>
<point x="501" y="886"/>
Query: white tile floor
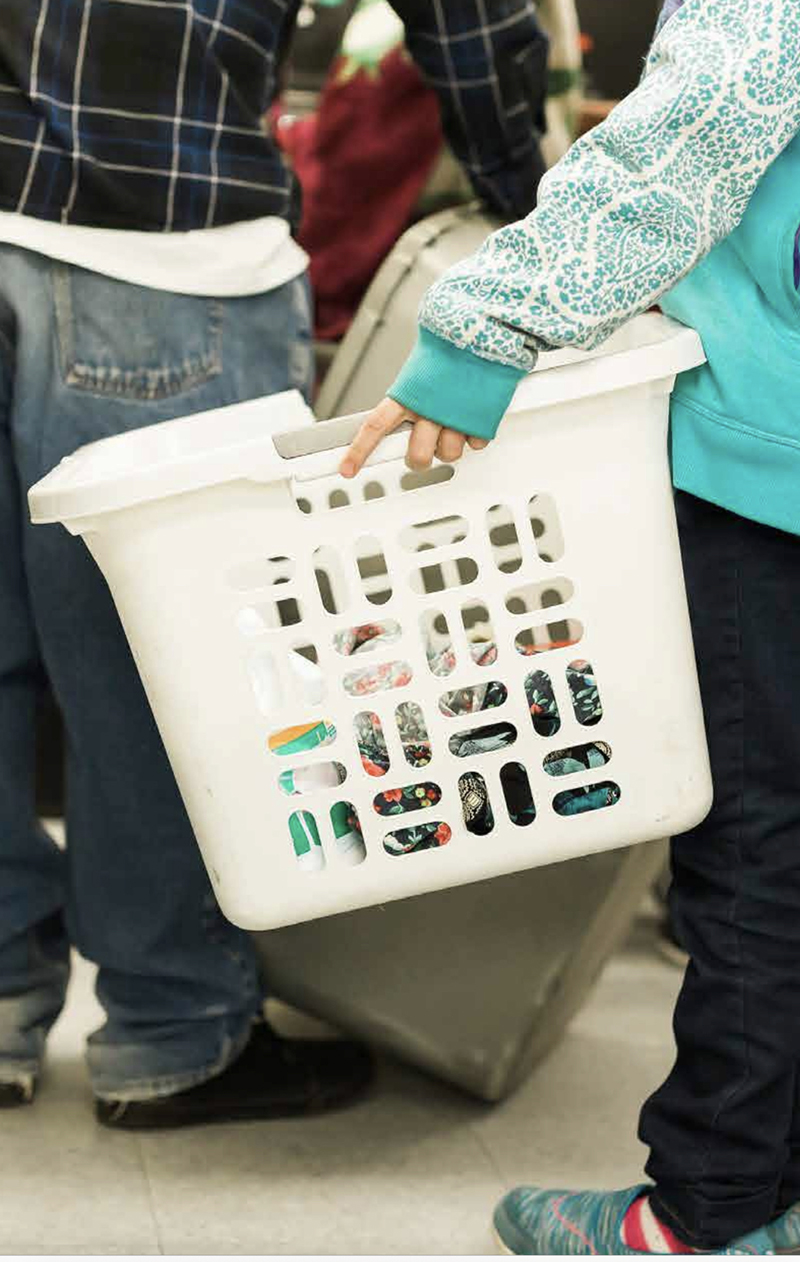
<point x="415" y="1169"/>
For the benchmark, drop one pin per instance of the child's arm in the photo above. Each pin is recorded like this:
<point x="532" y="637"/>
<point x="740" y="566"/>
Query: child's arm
<point x="632" y="207"/>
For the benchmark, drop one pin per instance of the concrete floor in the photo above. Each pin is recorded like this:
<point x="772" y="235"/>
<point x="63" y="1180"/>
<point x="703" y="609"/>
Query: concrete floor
<point x="415" y="1169"/>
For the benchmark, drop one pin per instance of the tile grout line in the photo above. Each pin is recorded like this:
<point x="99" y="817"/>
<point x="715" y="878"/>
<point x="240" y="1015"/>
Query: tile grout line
<point x="150" y="1197"/>
<point x="487" y="1152"/>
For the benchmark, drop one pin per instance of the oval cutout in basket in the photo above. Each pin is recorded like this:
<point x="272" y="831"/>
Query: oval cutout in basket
<point x="412" y="797"/>
<point x="544" y="639"/>
<point x="594" y="797"/>
<point x="306" y="843"/>
<point x="440" y="532"/>
<point x="302" y="738"/>
<point x="331" y="585"/>
<point x="546" y="527"/>
<point x="436" y="640"/>
<point x="542" y="703"/>
<point x="422" y="479"/>
<point x="413" y="732"/>
<point x="482" y="740"/>
<point x="517" y="793"/>
<point x="568" y="762"/>
<point x="584" y="692"/>
<point x="373" y="570"/>
<point x="371" y="743"/>
<point x="473" y="699"/>
<point x="442" y="576"/>
<point x="310" y="779"/>
<point x="503" y="537"/>
<point x="382" y="678"/>
<point x="535" y="597"/>
<point x="421" y="837"/>
<point x="366" y="638"/>
<point x="475" y="804"/>
<point x="348" y="839"/>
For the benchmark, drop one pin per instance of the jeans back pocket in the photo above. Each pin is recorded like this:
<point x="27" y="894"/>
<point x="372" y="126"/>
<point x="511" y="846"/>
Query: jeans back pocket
<point x="130" y="342"/>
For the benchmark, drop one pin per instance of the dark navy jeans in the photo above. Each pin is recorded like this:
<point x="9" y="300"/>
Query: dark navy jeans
<point x="83" y="357"/>
<point x="724" y="1129"/>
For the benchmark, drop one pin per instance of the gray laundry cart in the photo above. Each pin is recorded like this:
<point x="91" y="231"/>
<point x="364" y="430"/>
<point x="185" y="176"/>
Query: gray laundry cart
<point x="476" y="983"/>
<point x="385" y="325"/>
<point x="473" y="984"/>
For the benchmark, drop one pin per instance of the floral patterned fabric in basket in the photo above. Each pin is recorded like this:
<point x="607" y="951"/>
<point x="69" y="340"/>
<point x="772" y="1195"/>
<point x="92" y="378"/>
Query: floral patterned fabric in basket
<point x="478" y="815"/>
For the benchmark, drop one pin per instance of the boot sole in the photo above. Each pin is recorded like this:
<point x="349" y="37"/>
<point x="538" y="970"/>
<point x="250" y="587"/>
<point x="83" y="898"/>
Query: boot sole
<point x="121" y="1120"/>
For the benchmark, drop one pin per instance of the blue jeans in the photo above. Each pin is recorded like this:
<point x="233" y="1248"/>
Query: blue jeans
<point x="83" y="357"/>
<point x="724" y="1129"/>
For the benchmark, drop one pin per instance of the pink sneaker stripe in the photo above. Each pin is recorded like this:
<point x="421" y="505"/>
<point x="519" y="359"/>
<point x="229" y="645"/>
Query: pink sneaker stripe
<point x="571" y="1227"/>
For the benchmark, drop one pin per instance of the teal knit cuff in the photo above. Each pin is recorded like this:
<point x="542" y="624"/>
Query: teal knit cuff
<point x="454" y="387"/>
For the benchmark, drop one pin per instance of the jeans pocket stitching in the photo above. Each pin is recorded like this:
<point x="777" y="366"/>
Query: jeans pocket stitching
<point x="142" y="383"/>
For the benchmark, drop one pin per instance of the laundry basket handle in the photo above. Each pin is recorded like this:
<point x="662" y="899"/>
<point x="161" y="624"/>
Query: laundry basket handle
<point x="318" y="449"/>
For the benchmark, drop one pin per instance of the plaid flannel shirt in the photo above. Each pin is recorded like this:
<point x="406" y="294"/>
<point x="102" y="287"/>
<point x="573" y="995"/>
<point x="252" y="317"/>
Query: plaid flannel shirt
<point x="148" y="114"/>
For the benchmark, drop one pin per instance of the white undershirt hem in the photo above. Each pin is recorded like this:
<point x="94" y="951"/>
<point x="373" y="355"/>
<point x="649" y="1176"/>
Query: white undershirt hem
<point x="232" y="261"/>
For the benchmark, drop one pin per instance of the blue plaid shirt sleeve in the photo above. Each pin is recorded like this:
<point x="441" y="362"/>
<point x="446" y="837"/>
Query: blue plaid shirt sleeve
<point x="148" y="114"/>
<point x="487" y="61"/>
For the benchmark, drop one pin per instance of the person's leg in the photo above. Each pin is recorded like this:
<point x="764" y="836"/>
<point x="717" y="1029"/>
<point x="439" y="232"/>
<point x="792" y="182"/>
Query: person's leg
<point x="34" y="953"/>
<point x="718" y="1128"/>
<point x="180" y="985"/>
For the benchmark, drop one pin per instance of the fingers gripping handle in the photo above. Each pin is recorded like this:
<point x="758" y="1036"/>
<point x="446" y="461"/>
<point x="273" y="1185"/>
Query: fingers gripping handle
<point x="316" y="451"/>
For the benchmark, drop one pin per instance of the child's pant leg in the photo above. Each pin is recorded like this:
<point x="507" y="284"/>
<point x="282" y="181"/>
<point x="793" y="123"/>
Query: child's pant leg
<point x="790" y="1185"/>
<point x="719" y="1127"/>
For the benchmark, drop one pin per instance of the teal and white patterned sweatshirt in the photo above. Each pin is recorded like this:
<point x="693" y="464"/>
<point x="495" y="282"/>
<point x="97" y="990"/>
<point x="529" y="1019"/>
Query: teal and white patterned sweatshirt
<point x="630" y="209"/>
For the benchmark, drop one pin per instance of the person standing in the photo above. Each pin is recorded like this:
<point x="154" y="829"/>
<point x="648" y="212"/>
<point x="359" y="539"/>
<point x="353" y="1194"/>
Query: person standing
<point x="685" y="196"/>
<point x="148" y="271"/>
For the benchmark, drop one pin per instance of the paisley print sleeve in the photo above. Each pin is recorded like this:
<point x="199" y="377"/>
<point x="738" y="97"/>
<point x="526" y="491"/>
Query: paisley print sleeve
<point x="640" y="200"/>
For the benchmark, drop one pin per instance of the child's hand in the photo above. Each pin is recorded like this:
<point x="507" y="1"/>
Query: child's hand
<point x="426" y="441"/>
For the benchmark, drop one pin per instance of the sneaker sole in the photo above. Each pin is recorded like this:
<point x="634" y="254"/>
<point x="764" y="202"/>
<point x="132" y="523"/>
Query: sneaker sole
<point x="506" y="1234"/>
<point x="502" y="1249"/>
<point x="500" y="1246"/>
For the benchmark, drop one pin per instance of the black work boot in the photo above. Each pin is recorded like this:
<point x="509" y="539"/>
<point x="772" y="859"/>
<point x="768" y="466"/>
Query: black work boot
<point x="273" y="1077"/>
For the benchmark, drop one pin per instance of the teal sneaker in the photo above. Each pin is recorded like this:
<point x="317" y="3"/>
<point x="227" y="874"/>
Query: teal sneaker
<point x="785" y="1231"/>
<point x="539" y="1221"/>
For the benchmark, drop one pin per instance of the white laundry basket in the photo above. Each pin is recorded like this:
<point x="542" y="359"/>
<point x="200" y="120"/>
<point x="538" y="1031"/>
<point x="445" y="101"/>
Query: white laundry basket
<point x="240" y="565"/>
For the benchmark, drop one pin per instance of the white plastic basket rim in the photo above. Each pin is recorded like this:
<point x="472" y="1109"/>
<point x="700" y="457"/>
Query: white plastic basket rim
<point x="242" y="442"/>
